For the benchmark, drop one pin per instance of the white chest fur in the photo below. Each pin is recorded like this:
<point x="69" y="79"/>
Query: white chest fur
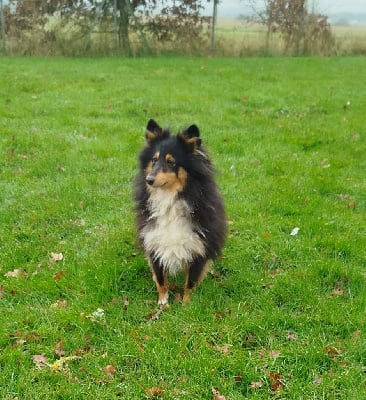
<point x="171" y="235"/>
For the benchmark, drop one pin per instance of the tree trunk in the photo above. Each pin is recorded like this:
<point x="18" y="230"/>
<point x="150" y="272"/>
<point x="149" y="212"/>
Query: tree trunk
<point x="124" y="7"/>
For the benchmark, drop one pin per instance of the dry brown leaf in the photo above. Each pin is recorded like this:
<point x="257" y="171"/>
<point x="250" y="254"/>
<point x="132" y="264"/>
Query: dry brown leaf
<point x="110" y="370"/>
<point x="274" y="353"/>
<point x="336" y="292"/>
<point x="59" y="304"/>
<point x="58" y="275"/>
<point x="275" y="381"/>
<point x="356" y="334"/>
<point x="59" y="350"/>
<point x="155" y="392"/>
<point x="262" y="353"/>
<point x="56" y="256"/>
<point x="19" y="343"/>
<point x="331" y="351"/>
<point x="16" y="273"/>
<point x="224" y="349"/>
<point x="256" y="385"/>
<point x="40" y="361"/>
<point x="217" y="395"/>
<point x="291" y="336"/>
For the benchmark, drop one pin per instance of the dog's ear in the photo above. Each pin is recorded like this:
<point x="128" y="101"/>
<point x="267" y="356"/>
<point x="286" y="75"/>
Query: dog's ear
<point x="154" y="132"/>
<point x="191" y="138"/>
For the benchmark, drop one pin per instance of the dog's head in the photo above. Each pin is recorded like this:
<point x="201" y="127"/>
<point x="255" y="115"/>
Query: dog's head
<point x="167" y="159"/>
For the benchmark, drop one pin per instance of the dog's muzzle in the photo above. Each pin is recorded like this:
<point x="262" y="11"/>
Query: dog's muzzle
<point x="150" y="180"/>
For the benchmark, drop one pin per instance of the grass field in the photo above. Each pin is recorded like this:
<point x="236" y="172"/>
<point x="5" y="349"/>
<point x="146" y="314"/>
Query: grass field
<point x="234" y="37"/>
<point x="282" y="316"/>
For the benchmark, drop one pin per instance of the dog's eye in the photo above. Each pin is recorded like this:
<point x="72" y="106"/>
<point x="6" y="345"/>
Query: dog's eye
<point x="154" y="160"/>
<point x="171" y="162"/>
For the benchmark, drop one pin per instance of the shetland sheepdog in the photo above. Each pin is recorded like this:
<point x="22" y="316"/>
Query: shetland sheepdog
<point x="180" y="214"/>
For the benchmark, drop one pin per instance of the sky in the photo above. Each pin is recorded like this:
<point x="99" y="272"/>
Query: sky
<point x="236" y="7"/>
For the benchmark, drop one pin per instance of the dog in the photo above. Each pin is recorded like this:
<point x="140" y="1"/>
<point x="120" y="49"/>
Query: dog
<point x="180" y="214"/>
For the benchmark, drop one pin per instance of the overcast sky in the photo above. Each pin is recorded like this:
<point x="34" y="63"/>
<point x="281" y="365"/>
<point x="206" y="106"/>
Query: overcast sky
<point x="321" y="6"/>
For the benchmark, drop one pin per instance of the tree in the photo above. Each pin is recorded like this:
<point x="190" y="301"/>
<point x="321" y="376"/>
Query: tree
<point x="303" y="31"/>
<point x="164" y="20"/>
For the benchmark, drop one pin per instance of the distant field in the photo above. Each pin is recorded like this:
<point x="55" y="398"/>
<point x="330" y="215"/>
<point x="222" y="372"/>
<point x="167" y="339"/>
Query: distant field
<point x="282" y="316"/>
<point x="236" y="37"/>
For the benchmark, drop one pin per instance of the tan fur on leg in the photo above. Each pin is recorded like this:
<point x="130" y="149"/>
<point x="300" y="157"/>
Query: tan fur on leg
<point x="188" y="292"/>
<point x="163" y="290"/>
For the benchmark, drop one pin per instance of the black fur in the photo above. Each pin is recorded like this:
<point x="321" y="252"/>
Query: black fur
<point x="195" y="188"/>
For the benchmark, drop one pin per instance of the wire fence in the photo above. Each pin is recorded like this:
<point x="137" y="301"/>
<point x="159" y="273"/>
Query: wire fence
<point x="121" y="27"/>
<point x="34" y="27"/>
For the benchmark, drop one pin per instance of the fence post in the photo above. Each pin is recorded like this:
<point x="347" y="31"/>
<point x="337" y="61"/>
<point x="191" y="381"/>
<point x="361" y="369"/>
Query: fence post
<point x="115" y="23"/>
<point x="2" y="24"/>
<point x="214" y="20"/>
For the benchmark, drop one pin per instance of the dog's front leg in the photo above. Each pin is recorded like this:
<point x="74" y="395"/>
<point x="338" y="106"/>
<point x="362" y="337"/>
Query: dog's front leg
<point x="196" y="272"/>
<point x="160" y="278"/>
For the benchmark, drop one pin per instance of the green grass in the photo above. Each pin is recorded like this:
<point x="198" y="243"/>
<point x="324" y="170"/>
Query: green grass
<point x="234" y="37"/>
<point x="283" y="312"/>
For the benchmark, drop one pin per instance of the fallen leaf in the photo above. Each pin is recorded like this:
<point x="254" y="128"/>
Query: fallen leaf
<point x="97" y="316"/>
<point x="295" y="231"/>
<point x="40" y="361"/>
<point x="20" y="343"/>
<point x="356" y="334"/>
<point x="331" y="351"/>
<point x="324" y="163"/>
<point x="256" y="385"/>
<point x="27" y="337"/>
<point x="16" y="273"/>
<point x="343" y="197"/>
<point x="274" y="353"/>
<point x="58" y="275"/>
<point x="155" y="392"/>
<point x="61" y="168"/>
<point x="59" y="350"/>
<point x="110" y="370"/>
<point x="217" y="395"/>
<point x="336" y="292"/>
<point x="275" y="381"/>
<point x="224" y="349"/>
<point x="59" y="304"/>
<point x="155" y="316"/>
<point x="262" y="353"/>
<point x="56" y="256"/>
<point x="291" y="336"/>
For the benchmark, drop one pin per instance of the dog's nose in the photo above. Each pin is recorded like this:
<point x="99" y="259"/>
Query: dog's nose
<point x="150" y="180"/>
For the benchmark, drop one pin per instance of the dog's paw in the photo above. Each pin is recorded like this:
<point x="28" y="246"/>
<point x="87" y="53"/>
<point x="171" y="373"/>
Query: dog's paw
<point x="163" y="299"/>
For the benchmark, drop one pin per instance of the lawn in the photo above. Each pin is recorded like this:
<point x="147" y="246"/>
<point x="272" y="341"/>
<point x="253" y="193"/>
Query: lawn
<point x="282" y="315"/>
